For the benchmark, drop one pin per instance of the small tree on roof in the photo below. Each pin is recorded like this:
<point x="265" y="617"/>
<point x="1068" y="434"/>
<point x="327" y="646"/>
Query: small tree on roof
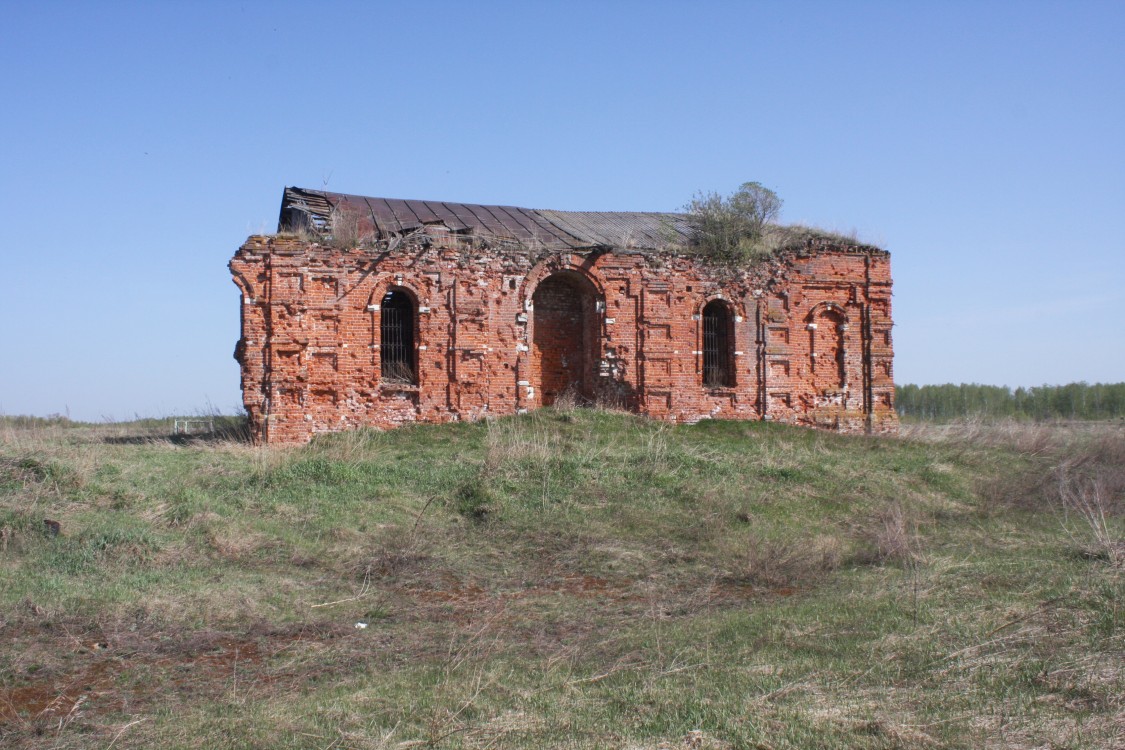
<point x="731" y="229"/>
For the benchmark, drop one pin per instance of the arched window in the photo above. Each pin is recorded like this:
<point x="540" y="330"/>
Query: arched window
<point x="718" y="342"/>
<point x="396" y="338"/>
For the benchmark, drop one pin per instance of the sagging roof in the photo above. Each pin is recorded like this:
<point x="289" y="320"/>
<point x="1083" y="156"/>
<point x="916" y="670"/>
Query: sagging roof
<point x="574" y="230"/>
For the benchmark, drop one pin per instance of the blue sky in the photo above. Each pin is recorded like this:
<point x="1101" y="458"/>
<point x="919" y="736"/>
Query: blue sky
<point x="982" y="143"/>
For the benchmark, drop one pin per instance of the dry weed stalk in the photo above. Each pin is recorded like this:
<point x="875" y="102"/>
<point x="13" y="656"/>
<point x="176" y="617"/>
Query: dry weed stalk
<point x="1026" y="438"/>
<point x="774" y="563"/>
<point x="893" y="536"/>
<point x="1090" y="500"/>
<point x="519" y="441"/>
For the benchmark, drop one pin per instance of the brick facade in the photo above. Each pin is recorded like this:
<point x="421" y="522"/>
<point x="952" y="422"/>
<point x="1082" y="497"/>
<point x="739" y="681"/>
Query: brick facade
<point x="496" y="327"/>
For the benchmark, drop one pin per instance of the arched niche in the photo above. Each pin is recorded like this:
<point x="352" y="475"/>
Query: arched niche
<point x="828" y="326"/>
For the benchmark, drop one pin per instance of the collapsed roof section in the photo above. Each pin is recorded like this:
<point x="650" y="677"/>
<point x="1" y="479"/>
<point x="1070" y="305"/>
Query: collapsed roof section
<point x="559" y="230"/>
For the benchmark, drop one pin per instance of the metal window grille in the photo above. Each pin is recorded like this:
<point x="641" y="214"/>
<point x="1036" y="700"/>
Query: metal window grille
<point x="192" y="426"/>
<point x="396" y="342"/>
<point x="716" y="346"/>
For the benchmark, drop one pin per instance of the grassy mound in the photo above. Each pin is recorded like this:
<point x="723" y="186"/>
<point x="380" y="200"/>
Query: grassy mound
<point x="562" y="579"/>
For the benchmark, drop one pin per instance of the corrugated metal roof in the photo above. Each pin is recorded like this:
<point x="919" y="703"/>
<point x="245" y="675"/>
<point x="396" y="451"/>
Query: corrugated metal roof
<point x="622" y="229"/>
<point x="555" y="229"/>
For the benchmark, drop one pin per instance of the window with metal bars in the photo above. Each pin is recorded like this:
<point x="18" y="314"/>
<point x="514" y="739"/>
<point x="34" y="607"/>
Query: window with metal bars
<point x="718" y="337"/>
<point x="396" y="338"/>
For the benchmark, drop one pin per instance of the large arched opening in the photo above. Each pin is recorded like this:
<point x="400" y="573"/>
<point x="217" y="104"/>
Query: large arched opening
<point x="565" y="345"/>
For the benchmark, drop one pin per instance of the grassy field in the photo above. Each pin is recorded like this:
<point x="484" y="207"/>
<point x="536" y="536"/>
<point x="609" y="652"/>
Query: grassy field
<point x="572" y="579"/>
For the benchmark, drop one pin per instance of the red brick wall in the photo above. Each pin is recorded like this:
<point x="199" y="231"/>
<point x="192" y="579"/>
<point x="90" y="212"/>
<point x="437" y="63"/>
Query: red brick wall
<point x="811" y="338"/>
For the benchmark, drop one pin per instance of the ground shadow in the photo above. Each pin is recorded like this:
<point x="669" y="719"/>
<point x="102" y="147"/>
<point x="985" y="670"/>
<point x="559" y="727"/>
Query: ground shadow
<point x="234" y="433"/>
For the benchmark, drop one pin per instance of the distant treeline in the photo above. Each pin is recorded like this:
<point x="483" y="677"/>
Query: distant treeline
<point x="1072" y="401"/>
<point x="24" y="421"/>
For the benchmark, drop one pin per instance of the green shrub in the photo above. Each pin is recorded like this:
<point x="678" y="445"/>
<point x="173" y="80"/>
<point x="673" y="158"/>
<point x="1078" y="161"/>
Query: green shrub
<point x="731" y="229"/>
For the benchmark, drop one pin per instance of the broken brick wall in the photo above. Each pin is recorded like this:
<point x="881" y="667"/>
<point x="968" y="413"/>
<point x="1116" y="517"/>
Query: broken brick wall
<point x="498" y="329"/>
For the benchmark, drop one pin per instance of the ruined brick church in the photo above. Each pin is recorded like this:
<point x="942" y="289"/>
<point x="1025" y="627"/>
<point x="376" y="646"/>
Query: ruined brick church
<point x="376" y="312"/>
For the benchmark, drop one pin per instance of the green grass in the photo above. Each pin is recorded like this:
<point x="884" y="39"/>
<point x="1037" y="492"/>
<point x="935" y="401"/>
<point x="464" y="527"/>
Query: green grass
<point x="577" y="578"/>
